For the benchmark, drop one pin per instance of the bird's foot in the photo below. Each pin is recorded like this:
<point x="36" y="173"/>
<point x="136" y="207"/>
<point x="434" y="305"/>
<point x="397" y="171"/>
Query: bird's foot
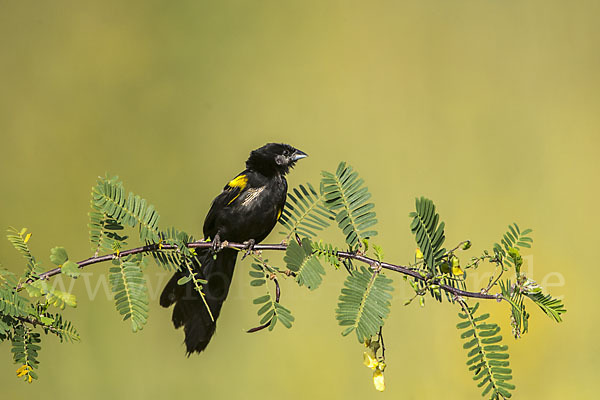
<point x="248" y="247"/>
<point x="376" y="267"/>
<point x="216" y="244"/>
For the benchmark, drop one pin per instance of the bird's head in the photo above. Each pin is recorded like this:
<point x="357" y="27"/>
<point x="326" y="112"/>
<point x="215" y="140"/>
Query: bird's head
<point x="274" y="158"/>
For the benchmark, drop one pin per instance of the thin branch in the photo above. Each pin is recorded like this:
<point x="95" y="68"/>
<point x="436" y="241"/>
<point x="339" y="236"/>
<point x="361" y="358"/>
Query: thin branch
<point x="35" y="322"/>
<point x="276" y="247"/>
<point x="492" y="283"/>
<point x="381" y="342"/>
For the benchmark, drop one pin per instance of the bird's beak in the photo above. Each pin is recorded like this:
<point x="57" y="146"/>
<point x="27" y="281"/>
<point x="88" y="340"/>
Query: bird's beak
<point x="298" y="155"/>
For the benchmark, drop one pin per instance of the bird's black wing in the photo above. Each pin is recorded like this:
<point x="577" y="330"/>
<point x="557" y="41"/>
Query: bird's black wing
<point x="231" y="191"/>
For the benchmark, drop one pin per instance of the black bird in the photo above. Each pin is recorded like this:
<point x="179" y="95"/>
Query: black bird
<point x="245" y="212"/>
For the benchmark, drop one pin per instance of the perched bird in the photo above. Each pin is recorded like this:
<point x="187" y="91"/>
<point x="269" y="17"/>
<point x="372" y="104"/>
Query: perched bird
<point x="245" y="212"/>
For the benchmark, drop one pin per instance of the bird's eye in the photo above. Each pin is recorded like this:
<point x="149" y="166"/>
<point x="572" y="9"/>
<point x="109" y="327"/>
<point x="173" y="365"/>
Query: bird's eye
<point x="286" y="153"/>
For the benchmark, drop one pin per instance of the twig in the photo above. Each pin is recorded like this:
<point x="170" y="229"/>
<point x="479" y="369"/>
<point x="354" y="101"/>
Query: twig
<point x="35" y="322"/>
<point x="492" y="283"/>
<point x="381" y="342"/>
<point x="275" y="247"/>
<point x="268" y="323"/>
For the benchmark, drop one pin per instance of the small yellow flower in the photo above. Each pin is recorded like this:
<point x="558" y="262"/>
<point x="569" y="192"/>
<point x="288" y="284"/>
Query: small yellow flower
<point x="369" y="359"/>
<point x="419" y="254"/>
<point x="23" y="370"/>
<point x="378" y="380"/>
<point x="456" y="269"/>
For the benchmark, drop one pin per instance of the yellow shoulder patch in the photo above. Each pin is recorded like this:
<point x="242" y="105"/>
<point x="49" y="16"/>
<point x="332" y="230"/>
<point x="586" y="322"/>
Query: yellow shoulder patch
<point x="239" y="181"/>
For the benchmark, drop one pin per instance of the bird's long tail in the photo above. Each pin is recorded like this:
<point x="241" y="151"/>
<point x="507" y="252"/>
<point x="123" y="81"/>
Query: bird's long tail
<point x="190" y="310"/>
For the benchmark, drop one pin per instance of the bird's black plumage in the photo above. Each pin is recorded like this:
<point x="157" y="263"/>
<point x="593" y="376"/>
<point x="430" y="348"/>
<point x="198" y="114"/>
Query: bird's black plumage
<point x="247" y="209"/>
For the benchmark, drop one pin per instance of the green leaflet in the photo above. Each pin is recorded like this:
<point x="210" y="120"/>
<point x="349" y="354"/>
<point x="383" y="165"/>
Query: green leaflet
<point x="519" y="315"/>
<point x="270" y="310"/>
<point x="25" y="347"/>
<point x="129" y="287"/>
<point x="327" y="252"/>
<point x="59" y="257"/>
<point x="304" y="213"/>
<point x="345" y="195"/>
<point x="109" y="198"/>
<point x="364" y="303"/>
<point x="104" y="236"/>
<point x="103" y="232"/>
<point x="173" y="260"/>
<point x="554" y="308"/>
<point x="54" y="297"/>
<point x="71" y="269"/>
<point x="13" y="304"/>
<point x="514" y="294"/>
<point x="6" y="326"/>
<point x="19" y="241"/>
<point x="8" y="279"/>
<point x="487" y="359"/>
<point x="193" y="276"/>
<point x="302" y="261"/>
<point x="513" y="238"/>
<point x="62" y="328"/>
<point x="429" y="234"/>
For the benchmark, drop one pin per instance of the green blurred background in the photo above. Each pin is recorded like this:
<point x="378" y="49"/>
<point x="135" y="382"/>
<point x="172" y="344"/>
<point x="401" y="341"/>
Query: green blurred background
<point x="488" y="107"/>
